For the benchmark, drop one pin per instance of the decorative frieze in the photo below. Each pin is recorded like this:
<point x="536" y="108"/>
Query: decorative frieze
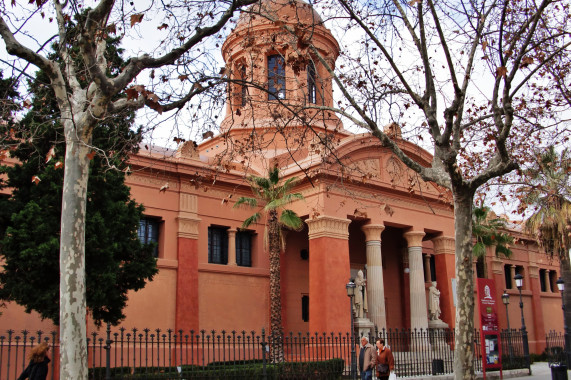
<point x="328" y="226"/>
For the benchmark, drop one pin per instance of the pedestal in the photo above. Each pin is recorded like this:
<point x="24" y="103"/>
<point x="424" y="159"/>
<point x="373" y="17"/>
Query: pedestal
<point x="364" y="327"/>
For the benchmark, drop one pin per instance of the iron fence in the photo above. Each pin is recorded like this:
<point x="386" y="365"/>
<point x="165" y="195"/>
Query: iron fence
<point x="157" y="354"/>
<point x="555" y="348"/>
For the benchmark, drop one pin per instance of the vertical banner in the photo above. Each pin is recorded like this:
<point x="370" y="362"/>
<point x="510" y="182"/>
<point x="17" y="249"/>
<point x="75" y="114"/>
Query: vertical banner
<point x="489" y="326"/>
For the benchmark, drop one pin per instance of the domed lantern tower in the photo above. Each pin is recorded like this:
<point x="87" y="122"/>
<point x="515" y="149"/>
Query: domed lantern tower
<point x="276" y="79"/>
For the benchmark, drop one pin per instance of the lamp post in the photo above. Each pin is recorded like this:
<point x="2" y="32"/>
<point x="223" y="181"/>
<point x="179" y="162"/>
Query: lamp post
<point x="506" y="301"/>
<point x="351" y="293"/>
<point x="561" y="286"/>
<point x="519" y="283"/>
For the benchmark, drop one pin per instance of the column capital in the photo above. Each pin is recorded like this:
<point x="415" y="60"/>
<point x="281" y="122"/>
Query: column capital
<point x="414" y="238"/>
<point x="533" y="271"/>
<point x="497" y="266"/>
<point x="188" y="227"/>
<point x="231" y="231"/>
<point x="373" y="231"/>
<point x="444" y="245"/>
<point x="328" y="226"/>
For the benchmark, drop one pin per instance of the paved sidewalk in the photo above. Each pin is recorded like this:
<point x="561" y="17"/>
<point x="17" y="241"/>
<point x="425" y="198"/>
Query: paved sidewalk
<point x="539" y="371"/>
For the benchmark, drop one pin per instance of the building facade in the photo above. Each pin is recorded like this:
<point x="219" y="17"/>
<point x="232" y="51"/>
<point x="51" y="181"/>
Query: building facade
<point x="363" y="210"/>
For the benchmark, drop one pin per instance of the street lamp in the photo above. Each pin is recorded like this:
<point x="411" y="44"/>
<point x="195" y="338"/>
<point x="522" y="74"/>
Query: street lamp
<point x="561" y="286"/>
<point x="351" y="293"/>
<point x="506" y="301"/>
<point x="519" y="283"/>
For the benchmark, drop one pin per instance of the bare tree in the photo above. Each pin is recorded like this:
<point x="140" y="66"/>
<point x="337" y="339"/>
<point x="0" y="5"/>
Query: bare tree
<point x="87" y="91"/>
<point x="466" y="80"/>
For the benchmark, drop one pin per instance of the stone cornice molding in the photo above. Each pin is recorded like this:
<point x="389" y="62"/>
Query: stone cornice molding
<point x="188" y="226"/>
<point x="444" y="245"/>
<point x="373" y="232"/>
<point x="414" y="238"/>
<point x="328" y="226"/>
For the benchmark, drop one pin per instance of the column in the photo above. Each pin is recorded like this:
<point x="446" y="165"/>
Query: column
<point x="445" y="262"/>
<point x="497" y="269"/>
<point x="427" y="276"/>
<point x="418" y="310"/>
<point x="187" y="271"/>
<point x="375" y="282"/>
<point x="547" y="281"/>
<point x="328" y="274"/>
<point x="232" y="247"/>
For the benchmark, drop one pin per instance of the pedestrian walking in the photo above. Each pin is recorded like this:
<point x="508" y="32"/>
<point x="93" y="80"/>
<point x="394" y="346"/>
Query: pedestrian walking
<point x="385" y="360"/>
<point x="38" y="367"/>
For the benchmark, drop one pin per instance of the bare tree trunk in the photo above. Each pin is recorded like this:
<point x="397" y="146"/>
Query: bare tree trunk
<point x="464" y="337"/>
<point x="73" y="354"/>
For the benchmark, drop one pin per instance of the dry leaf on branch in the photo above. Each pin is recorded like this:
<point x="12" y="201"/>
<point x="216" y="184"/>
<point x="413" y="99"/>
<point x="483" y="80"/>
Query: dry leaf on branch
<point x="51" y="154"/>
<point x="58" y="165"/>
<point x="135" y="19"/>
<point x="164" y="188"/>
<point x="36" y="179"/>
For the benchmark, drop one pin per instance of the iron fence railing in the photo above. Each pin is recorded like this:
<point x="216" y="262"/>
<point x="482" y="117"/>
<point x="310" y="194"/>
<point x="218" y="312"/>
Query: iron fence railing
<point x="555" y="348"/>
<point x="167" y="354"/>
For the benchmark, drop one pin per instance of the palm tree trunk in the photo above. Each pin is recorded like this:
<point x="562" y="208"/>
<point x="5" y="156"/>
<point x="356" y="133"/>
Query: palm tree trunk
<point x="276" y="331"/>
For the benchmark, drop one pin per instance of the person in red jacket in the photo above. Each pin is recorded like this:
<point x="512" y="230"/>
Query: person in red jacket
<point x="385" y="360"/>
<point x="38" y="367"/>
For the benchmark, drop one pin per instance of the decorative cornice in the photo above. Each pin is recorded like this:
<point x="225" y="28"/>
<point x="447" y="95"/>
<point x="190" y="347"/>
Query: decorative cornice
<point x="373" y="231"/>
<point x="444" y="245"/>
<point x="188" y="227"/>
<point x="328" y="226"/>
<point x="414" y="238"/>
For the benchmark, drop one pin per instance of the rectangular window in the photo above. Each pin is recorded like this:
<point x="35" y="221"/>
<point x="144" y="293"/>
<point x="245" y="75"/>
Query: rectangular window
<point x="218" y="245"/>
<point x="305" y="308"/>
<point x="542" y="283"/>
<point x="149" y="233"/>
<point x="244" y="248"/>
<point x="552" y="280"/>
<point x="311" y="84"/>
<point x="433" y="268"/>
<point x="508" y="276"/>
<point x="276" y="77"/>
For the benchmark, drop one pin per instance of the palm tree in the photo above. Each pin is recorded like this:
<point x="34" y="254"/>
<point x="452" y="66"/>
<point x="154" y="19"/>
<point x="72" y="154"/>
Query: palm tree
<point x="274" y="196"/>
<point x="549" y="191"/>
<point x="486" y="228"/>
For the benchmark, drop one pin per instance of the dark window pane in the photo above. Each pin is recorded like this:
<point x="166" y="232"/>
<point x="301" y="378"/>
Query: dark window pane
<point x="149" y="233"/>
<point x="244" y="88"/>
<point x="244" y="248"/>
<point x="432" y="268"/>
<point x="542" y="283"/>
<point x="508" y="276"/>
<point x="217" y="245"/>
<point x="276" y="77"/>
<point x="311" y="81"/>
<point x="305" y="308"/>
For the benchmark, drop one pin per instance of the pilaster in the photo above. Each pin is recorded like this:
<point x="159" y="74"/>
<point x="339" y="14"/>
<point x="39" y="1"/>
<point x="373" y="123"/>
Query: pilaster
<point x="329" y="306"/>
<point x="445" y="262"/>
<point x="187" y="271"/>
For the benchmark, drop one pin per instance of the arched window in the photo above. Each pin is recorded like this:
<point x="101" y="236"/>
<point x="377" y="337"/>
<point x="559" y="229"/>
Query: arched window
<point x="244" y="89"/>
<point x="276" y="77"/>
<point x="311" y="84"/>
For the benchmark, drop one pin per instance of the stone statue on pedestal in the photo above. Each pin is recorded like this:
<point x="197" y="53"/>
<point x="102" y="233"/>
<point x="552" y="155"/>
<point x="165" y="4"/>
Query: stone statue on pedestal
<point x="434" y="303"/>
<point x="360" y="300"/>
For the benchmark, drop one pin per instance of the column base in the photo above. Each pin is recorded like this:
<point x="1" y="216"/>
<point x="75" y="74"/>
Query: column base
<point x="364" y="327"/>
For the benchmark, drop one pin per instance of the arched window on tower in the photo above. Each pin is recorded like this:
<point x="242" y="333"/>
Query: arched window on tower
<point x="311" y="83"/>
<point x="244" y="88"/>
<point x="276" y="77"/>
